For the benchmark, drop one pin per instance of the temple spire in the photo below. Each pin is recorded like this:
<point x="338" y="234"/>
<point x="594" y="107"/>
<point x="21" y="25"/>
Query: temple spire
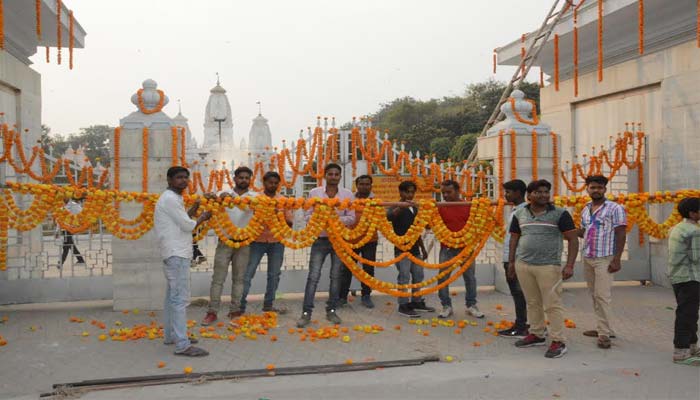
<point x="259" y="107"/>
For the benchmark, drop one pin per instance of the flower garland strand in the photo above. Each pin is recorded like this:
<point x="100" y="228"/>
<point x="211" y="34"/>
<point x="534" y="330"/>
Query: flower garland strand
<point x="37" y="14"/>
<point x="2" y="25"/>
<point x="534" y="155"/>
<point x="513" y="156"/>
<point x="494" y="58"/>
<point x="48" y="53"/>
<point x="183" y="153"/>
<point x="142" y="105"/>
<point x="600" y="40"/>
<point x="535" y="119"/>
<point x="576" y="51"/>
<point x="71" y="39"/>
<point x="501" y="176"/>
<point x="58" y="30"/>
<point x="641" y="26"/>
<point x="541" y="78"/>
<point x="173" y="146"/>
<point x="697" y="24"/>
<point x="556" y="62"/>
<point x="522" y="54"/>
<point x="555" y="163"/>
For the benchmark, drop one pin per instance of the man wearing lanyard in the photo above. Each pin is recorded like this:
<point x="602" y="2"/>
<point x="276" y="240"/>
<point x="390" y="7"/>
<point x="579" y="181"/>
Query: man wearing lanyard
<point x="225" y="255"/>
<point x="515" y="193"/>
<point x="603" y="224"/>
<point x="322" y="248"/>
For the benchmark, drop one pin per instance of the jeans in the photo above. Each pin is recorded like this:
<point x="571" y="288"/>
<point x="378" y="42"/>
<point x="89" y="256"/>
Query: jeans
<point x="518" y="300"/>
<point x="69" y="244"/>
<point x="177" y="297"/>
<point x="409" y="272"/>
<point x="368" y="251"/>
<point x="685" y="330"/>
<point x="469" y="277"/>
<point x="321" y="249"/>
<point x="238" y="258"/>
<point x="275" y="257"/>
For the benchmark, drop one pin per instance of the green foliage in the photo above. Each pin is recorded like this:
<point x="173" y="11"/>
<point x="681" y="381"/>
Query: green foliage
<point x="447" y="127"/>
<point x="96" y="140"/>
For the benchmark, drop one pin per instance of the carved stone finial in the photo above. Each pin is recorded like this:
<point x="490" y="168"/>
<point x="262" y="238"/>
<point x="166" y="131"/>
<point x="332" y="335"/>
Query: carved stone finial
<point x="151" y="97"/>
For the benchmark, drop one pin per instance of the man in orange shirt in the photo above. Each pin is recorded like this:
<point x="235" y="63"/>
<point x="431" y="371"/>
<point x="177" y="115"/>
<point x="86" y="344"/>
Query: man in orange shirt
<point x="266" y="243"/>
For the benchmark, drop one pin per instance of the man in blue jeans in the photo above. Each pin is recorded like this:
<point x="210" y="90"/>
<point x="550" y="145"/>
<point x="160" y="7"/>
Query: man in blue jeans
<point x="173" y="227"/>
<point x="266" y="243"/>
<point x="455" y="218"/>
<point x="322" y="248"/>
<point x="402" y="218"/>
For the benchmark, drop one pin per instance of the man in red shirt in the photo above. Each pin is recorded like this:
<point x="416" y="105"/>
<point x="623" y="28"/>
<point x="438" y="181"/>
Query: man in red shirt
<point x="455" y="217"/>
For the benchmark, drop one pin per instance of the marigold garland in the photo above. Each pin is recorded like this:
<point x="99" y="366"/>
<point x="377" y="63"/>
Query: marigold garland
<point x="71" y="39"/>
<point x="501" y="175"/>
<point x="173" y="146"/>
<point x="697" y="24"/>
<point x="2" y="25"/>
<point x="37" y="14"/>
<point x="555" y="163"/>
<point x="183" y="148"/>
<point x="575" y="36"/>
<point x="556" y="62"/>
<point x="494" y="58"/>
<point x="535" y="118"/>
<point x="541" y="78"/>
<point x="641" y="26"/>
<point x="535" y="157"/>
<point x="142" y="105"/>
<point x="600" y="40"/>
<point x="48" y="53"/>
<point x="58" y="30"/>
<point x="522" y="54"/>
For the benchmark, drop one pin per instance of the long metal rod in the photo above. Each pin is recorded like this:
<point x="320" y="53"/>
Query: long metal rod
<point x="538" y="43"/>
<point x="151" y="380"/>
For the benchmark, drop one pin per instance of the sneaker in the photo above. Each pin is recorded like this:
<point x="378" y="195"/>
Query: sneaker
<point x="407" y="311"/>
<point x="304" y="320"/>
<point x="278" y="310"/>
<point x="192" y="352"/>
<point x="555" y="350"/>
<point x="529" y="341"/>
<point x="332" y="317"/>
<point x="446" y="312"/>
<point x="235" y="314"/>
<point x="513" y="333"/>
<point x="367" y="301"/>
<point x="474" y="312"/>
<point x="209" y="319"/>
<point x="421" y="307"/>
<point x="694" y="350"/>
<point x="604" y="342"/>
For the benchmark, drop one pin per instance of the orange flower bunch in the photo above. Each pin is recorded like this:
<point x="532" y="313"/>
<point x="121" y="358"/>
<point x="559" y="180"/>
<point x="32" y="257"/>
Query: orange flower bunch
<point x="142" y="105"/>
<point x="535" y="117"/>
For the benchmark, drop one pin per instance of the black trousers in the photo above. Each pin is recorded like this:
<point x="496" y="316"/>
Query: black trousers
<point x="518" y="299"/>
<point x="685" y="330"/>
<point x="368" y="251"/>
<point x="69" y="244"/>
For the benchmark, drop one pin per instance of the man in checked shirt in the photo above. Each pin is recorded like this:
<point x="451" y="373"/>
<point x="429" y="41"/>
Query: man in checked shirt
<point x="603" y="224"/>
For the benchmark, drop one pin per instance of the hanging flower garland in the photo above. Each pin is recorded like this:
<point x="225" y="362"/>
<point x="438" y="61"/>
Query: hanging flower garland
<point x="183" y="141"/>
<point x="2" y="25"/>
<point x="697" y="23"/>
<point x="495" y="59"/>
<point x="555" y="163"/>
<point x="600" y="40"/>
<point x="58" y="30"/>
<point x="37" y="14"/>
<point x="522" y="54"/>
<point x="173" y="146"/>
<point x="48" y="54"/>
<point x="535" y="119"/>
<point x="501" y="175"/>
<point x="535" y="157"/>
<point x="641" y="26"/>
<point x="142" y="105"/>
<point x="513" y="155"/>
<point x="71" y="39"/>
<point x="556" y="62"/>
<point x="541" y="78"/>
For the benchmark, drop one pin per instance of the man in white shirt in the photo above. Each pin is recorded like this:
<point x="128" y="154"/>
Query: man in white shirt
<point x="225" y="255"/>
<point x="173" y="227"/>
<point x="322" y="248"/>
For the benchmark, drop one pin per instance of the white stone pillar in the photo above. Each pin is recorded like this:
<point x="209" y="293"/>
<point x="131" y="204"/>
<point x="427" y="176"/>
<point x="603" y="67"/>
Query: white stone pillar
<point x="138" y="278"/>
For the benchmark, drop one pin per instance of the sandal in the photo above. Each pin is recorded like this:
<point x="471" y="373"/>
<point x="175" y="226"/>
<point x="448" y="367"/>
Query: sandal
<point x="192" y="352"/>
<point x="604" y="342"/>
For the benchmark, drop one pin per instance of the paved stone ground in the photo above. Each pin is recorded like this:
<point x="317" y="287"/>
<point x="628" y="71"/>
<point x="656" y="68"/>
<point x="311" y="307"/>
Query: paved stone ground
<point x="638" y="365"/>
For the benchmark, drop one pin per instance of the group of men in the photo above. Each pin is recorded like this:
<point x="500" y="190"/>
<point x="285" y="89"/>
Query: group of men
<point x="532" y="258"/>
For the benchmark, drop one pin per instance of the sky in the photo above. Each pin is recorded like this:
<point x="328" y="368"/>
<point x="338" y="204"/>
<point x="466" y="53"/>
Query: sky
<point x="300" y="58"/>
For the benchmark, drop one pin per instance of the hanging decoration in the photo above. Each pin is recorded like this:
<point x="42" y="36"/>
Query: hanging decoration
<point x="2" y="25"/>
<point x="556" y="62"/>
<point x="173" y="150"/>
<point x="600" y="40"/>
<point x="183" y="148"/>
<point x="522" y="54"/>
<point x="142" y="105"/>
<point x="534" y="155"/>
<point x="71" y="39"/>
<point x="58" y="30"/>
<point x="513" y="155"/>
<point x="144" y="161"/>
<point x="555" y="163"/>
<point x="641" y="26"/>
<point x="541" y="78"/>
<point x="37" y="14"/>
<point x="495" y="57"/>
<point x="47" y="55"/>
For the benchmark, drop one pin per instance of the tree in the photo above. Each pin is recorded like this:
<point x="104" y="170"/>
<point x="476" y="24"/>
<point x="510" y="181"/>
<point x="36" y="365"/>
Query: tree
<point x="95" y="139"/>
<point x="463" y="146"/>
<point x="441" y="147"/>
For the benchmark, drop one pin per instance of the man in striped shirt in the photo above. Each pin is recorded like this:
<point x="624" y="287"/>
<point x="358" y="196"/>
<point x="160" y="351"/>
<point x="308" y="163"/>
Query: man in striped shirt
<point x="603" y="224"/>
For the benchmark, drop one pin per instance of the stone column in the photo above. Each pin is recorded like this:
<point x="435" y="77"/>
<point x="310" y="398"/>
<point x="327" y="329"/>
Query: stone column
<point x="136" y="264"/>
<point x="516" y="112"/>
